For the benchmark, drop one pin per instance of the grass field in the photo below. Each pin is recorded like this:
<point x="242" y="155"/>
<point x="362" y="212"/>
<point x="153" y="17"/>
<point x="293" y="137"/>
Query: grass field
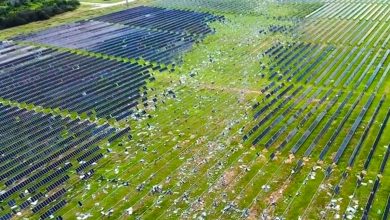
<point x="264" y="121"/>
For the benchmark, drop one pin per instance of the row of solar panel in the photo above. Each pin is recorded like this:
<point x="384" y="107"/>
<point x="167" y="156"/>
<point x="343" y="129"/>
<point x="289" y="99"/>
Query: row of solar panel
<point x="119" y="41"/>
<point x="183" y="21"/>
<point x="72" y="82"/>
<point x="44" y="147"/>
<point x="153" y="34"/>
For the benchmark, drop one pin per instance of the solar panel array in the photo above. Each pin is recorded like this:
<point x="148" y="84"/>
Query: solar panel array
<point x="337" y="120"/>
<point x="38" y="151"/>
<point x="350" y="23"/>
<point x="67" y="81"/>
<point x="179" y="21"/>
<point x="148" y="33"/>
<point x="115" y="40"/>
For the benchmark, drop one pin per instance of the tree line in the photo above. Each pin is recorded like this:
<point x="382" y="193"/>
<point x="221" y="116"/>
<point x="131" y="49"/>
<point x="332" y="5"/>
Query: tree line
<point x="18" y="12"/>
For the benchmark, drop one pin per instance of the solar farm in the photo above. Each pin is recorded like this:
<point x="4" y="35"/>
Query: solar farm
<point x="198" y="109"/>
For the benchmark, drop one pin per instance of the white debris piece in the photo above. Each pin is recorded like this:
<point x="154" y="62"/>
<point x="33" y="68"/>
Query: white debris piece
<point x="265" y="188"/>
<point x="129" y="211"/>
<point x="83" y="216"/>
<point x="157" y="189"/>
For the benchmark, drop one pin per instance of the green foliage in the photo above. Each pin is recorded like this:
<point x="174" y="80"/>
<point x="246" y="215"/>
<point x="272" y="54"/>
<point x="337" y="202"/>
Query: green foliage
<point x="14" y="13"/>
